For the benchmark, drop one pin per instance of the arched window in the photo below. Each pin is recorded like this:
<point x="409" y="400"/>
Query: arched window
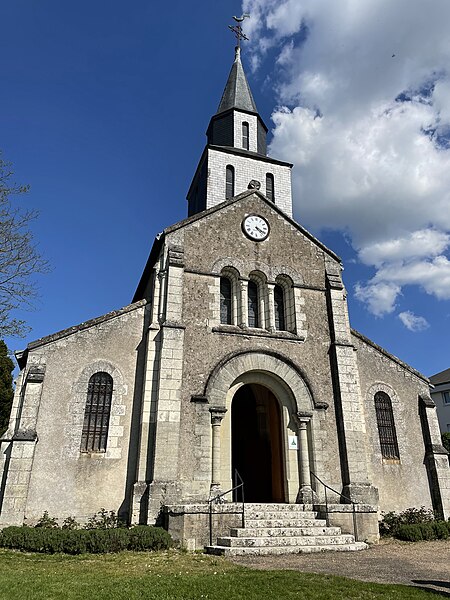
<point x="386" y="426"/>
<point x="278" y="298"/>
<point x="270" y="187"/>
<point x="96" y="415"/>
<point x="245" y="136"/>
<point x="226" y="312"/>
<point x="253" y="305"/>
<point x="229" y="188"/>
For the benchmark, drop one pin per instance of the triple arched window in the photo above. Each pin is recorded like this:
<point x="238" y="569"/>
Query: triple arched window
<point x="386" y="426"/>
<point x="97" y="412"/>
<point x="258" y="304"/>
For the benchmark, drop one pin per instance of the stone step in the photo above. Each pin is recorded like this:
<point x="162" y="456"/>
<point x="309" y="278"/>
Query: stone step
<point x="290" y="521"/>
<point x="267" y="550"/>
<point x="297" y="508"/>
<point x="280" y="514"/>
<point x="282" y="531"/>
<point x="311" y="540"/>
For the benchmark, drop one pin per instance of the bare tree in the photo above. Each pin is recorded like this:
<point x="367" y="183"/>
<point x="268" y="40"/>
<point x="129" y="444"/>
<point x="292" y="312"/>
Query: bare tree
<point x="19" y="257"/>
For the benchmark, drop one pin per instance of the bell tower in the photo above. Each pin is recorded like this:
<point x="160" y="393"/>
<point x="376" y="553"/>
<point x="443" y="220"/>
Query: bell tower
<point x="235" y="157"/>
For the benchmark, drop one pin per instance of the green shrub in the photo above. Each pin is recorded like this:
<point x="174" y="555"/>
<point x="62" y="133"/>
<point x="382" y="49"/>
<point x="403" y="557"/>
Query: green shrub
<point x="143" y="537"/>
<point x="72" y="541"/>
<point x="392" y="521"/>
<point x="104" y="520"/>
<point x="446" y="440"/>
<point x="70" y="523"/>
<point x="47" y="522"/>
<point x="416" y="532"/>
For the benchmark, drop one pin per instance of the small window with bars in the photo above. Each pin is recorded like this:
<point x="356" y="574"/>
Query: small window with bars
<point x="229" y="185"/>
<point x="270" y="187"/>
<point x="245" y="135"/>
<point x="386" y="426"/>
<point x="96" y="415"/>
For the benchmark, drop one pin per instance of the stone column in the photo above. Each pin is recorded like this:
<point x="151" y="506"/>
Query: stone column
<point x="305" y="493"/>
<point x="270" y="323"/>
<point x="217" y="414"/>
<point x="243" y="290"/>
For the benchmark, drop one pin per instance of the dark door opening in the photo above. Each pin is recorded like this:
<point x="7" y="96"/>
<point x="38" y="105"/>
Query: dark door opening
<point x="256" y="444"/>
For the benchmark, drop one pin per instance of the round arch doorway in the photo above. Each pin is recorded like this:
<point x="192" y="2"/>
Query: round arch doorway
<point x="257" y="451"/>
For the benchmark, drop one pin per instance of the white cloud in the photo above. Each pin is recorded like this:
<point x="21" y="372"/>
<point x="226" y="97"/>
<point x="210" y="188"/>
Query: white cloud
<point x="412" y="321"/>
<point x="364" y="108"/>
<point x="379" y="297"/>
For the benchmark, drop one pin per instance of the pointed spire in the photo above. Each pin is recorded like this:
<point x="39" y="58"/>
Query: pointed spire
<point x="237" y="93"/>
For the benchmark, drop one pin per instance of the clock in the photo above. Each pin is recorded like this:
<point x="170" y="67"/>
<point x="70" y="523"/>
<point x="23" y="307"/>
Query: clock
<point x="255" y="227"/>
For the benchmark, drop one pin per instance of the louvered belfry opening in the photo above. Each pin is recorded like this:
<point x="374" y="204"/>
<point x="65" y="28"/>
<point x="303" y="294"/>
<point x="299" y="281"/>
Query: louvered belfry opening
<point x="386" y="426"/>
<point x="96" y="415"/>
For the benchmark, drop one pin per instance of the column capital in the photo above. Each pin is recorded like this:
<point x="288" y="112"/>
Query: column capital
<point x="217" y="414"/>
<point x="302" y="418"/>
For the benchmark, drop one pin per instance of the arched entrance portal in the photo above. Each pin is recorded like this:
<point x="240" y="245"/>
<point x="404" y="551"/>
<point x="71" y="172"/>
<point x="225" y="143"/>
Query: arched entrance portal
<point x="257" y="444"/>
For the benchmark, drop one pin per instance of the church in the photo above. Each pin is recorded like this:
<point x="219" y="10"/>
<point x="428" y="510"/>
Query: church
<point x="233" y="378"/>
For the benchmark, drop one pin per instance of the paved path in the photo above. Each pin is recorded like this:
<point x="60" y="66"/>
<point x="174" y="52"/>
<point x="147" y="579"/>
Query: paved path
<point x="422" y="564"/>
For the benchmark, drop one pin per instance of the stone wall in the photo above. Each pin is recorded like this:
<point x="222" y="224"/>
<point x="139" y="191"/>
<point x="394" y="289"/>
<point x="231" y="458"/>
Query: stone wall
<point x="63" y="480"/>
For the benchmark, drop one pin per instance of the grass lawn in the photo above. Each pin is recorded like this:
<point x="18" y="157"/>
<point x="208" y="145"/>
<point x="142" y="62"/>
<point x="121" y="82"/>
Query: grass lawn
<point x="172" y="576"/>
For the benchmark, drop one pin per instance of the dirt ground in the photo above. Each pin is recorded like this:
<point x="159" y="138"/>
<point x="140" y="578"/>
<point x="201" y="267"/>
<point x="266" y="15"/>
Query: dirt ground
<point x="422" y="564"/>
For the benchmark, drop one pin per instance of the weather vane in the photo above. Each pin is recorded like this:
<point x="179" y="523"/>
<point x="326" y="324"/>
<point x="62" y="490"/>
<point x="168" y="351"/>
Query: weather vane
<point x="237" y="29"/>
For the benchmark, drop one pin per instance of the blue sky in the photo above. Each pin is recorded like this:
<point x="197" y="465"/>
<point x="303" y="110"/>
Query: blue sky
<point x="104" y="109"/>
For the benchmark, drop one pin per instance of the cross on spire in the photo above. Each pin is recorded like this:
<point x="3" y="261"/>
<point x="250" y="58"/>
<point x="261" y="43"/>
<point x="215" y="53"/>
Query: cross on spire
<point x="237" y="29"/>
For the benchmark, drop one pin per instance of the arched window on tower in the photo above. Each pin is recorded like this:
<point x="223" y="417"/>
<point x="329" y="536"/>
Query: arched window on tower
<point x="280" y="317"/>
<point x="245" y="135"/>
<point x="226" y="304"/>
<point x="253" y="305"/>
<point x="386" y="426"/>
<point x="229" y="187"/>
<point x="96" y="414"/>
<point x="270" y="187"/>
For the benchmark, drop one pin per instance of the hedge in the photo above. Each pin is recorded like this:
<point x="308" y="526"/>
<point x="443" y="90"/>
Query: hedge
<point x="80" y="541"/>
<point x="436" y="530"/>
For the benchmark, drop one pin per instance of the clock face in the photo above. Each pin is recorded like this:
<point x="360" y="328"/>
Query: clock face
<point x="255" y="227"/>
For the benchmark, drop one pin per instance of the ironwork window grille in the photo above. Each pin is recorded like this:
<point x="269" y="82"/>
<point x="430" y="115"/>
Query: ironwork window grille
<point x="253" y="304"/>
<point x="225" y="301"/>
<point x="245" y="136"/>
<point x="386" y="426"/>
<point x="270" y="187"/>
<point x="278" y="297"/>
<point x="229" y="187"/>
<point x="96" y="415"/>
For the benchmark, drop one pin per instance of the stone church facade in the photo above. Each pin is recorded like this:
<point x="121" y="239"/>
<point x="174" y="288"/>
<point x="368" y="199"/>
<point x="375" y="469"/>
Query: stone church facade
<point x="236" y="354"/>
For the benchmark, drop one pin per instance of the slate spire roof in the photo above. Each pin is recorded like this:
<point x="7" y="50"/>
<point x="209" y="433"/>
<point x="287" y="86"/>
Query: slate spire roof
<point x="237" y="93"/>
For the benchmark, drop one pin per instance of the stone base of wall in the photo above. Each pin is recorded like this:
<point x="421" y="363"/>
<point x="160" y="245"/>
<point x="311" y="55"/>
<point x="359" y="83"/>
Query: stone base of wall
<point x="193" y="525"/>
<point x="364" y="520"/>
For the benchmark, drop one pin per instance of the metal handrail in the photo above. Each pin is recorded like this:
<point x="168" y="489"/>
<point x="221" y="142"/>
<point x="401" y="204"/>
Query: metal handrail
<point x="218" y="499"/>
<point x="327" y="518"/>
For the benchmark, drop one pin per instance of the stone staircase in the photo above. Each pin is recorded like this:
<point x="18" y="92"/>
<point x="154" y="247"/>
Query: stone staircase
<point x="283" y="529"/>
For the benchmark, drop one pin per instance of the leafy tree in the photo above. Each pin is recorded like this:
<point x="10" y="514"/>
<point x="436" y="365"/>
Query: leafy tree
<point x="446" y="440"/>
<point x="6" y="388"/>
<point x="19" y="257"/>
